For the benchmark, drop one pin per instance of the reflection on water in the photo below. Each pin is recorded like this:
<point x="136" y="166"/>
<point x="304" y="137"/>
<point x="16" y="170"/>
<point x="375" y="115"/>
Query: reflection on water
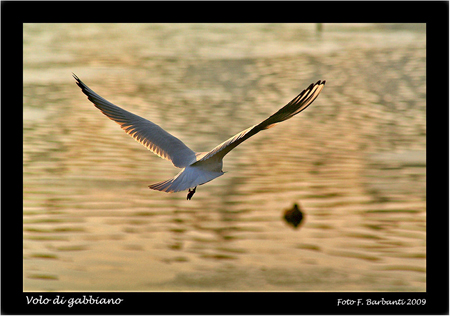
<point x="354" y="160"/>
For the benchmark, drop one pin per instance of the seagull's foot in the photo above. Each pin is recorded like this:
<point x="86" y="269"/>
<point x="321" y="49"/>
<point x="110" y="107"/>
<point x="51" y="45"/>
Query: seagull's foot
<point x="191" y="193"/>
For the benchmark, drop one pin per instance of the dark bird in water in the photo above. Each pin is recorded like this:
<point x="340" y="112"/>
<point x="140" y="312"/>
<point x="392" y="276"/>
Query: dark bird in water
<point x="294" y="216"/>
<point x="197" y="167"/>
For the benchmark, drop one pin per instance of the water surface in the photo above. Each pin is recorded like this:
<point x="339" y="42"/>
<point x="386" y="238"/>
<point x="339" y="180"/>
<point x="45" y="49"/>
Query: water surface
<point x="354" y="160"/>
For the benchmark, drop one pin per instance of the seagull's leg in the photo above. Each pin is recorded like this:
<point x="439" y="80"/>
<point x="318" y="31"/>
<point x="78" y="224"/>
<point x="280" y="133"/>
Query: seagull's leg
<point x="191" y="193"/>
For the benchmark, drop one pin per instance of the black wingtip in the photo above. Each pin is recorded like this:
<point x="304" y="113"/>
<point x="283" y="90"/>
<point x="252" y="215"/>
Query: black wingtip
<point x="76" y="78"/>
<point x="78" y="82"/>
<point x="321" y="82"/>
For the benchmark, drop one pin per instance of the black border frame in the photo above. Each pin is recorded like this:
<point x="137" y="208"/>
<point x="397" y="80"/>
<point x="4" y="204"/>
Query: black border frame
<point x="435" y="14"/>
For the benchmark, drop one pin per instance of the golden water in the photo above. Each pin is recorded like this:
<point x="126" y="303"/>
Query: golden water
<point x="354" y="160"/>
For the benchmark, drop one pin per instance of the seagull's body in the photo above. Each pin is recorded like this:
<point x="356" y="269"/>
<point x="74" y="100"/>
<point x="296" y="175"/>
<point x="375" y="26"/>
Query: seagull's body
<point x="197" y="168"/>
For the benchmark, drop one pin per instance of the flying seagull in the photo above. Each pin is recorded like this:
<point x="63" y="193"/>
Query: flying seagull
<point x="197" y="167"/>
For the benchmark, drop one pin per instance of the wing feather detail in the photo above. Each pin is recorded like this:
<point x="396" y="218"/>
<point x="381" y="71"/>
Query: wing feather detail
<point x="298" y="104"/>
<point x="143" y="131"/>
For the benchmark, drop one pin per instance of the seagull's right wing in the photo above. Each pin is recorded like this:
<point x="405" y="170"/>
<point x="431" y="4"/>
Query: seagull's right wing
<point x="145" y="132"/>
<point x="298" y="104"/>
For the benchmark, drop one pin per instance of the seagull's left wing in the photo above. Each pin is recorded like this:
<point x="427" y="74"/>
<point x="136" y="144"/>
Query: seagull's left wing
<point x="298" y="104"/>
<point x="145" y="132"/>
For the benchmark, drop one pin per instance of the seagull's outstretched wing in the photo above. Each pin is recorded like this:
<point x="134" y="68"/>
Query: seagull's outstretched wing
<point x="145" y="132"/>
<point x="298" y="104"/>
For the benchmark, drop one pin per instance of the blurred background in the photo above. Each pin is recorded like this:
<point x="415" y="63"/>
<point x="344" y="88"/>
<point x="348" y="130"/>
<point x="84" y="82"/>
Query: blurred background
<point x="353" y="162"/>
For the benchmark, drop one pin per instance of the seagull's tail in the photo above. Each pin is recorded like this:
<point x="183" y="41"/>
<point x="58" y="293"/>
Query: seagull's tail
<point x="189" y="177"/>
